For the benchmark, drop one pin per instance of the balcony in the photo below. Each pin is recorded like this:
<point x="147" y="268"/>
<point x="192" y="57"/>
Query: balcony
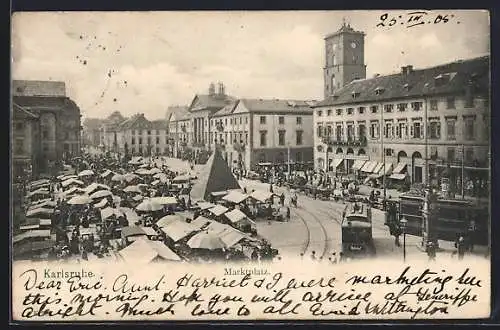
<point x="333" y="141"/>
<point x="219" y="127"/>
<point x="239" y="146"/>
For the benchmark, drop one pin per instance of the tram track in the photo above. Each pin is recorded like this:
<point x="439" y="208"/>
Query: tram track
<point x="308" y="225"/>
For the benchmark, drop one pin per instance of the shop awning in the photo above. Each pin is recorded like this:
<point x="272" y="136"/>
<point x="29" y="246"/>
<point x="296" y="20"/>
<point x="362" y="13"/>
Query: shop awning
<point x="336" y="162"/>
<point x="399" y="168"/>
<point x="369" y="166"/>
<point x="375" y="175"/>
<point x="388" y="169"/>
<point x="235" y="197"/>
<point x="218" y="210"/>
<point x="358" y="164"/>
<point x="377" y="168"/>
<point x="397" y="176"/>
<point x="235" y="215"/>
<point x="261" y="195"/>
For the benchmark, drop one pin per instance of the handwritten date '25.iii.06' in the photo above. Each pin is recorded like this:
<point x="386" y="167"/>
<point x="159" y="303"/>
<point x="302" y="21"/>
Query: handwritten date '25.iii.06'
<point x="416" y="18"/>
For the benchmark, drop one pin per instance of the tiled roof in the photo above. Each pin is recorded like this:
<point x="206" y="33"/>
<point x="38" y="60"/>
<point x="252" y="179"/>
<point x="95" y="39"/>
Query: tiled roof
<point x="451" y="78"/>
<point x="210" y="102"/>
<point x="38" y="88"/>
<point x="229" y="108"/>
<point x="137" y="121"/>
<point x="175" y="110"/>
<point x="159" y="124"/>
<point x="274" y="105"/>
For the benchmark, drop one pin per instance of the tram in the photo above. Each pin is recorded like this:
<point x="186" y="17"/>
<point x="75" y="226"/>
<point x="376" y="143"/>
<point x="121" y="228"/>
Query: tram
<point x="357" y="232"/>
<point x="452" y="217"/>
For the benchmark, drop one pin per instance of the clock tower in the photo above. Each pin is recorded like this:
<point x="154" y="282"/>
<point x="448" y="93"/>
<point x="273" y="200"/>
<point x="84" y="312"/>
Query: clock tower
<point x="344" y="58"/>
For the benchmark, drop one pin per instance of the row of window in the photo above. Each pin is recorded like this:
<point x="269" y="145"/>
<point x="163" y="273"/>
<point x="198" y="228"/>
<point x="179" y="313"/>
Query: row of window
<point x="232" y="121"/>
<point x="280" y="158"/>
<point x="223" y="138"/>
<point x="299" y="136"/>
<point x="141" y="132"/>
<point x="157" y="150"/>
<point x="389" y="108"/>
<point x="281" y="120"/>
<point x="148" y="140"/>
<point x="400" y="130"/>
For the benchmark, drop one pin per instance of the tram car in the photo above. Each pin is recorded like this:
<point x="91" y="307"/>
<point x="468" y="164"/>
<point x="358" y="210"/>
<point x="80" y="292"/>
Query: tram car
<point x="357" y="231"/>
<point x="452" y="217"/>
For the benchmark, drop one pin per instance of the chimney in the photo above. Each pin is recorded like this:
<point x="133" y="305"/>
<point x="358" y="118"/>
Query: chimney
<point x="406" y="70"/>
<point x="211" y="89"/>
<point x="221" y="91"/>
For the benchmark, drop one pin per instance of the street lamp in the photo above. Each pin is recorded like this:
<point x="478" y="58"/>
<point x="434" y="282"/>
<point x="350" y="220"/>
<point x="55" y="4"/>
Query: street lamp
<point x="403" y="223"/>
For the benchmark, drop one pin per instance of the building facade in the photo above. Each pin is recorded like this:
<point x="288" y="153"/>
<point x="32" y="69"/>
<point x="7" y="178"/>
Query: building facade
<point x="59" y="122"/>
<point x="109" y="132"/>
<point x="92" y="132"/>
<point x="249" y="131"/>
<point x="138" y="136"/>
<point x="24" y="136"/>
<point x="419" y="122"/>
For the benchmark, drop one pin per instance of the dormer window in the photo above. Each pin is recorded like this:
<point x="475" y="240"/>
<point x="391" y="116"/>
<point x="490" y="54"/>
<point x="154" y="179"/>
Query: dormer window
<point x="379" y="90"/>
<point x="355" y="95"/>
<point x="441" y="79"/>
<point x="406" y="87"/>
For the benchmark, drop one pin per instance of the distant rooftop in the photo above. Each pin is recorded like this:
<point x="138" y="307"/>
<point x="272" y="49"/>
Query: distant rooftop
<point x="38" y="88"/>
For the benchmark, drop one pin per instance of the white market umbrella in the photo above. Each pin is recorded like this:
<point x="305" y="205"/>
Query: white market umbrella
<point x="134" y="189"/>
<point x="165" y="200"/>
<point x="80" y="200"/>
<point x="143" y="171"/>
<point x="149" y="206"/>
<point x="117" y="178"/>
<point x="155" y="170"/>
<point x="101" y="194"/>
<point x="86" y="173"/>
<point x="207" y="241"/>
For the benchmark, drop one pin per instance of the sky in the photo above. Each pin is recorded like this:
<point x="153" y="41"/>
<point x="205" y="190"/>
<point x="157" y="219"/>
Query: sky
<point x="144" y="62"/>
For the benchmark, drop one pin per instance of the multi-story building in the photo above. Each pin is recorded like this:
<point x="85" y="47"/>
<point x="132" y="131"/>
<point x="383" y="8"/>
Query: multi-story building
<point x="139" y="136"/>
<point x="58" y="123"/>
<point x="109" y="132"/>
<point x="92" y="132"/>
<point x="250" y="131"/>
<point x="24" y="139"/>
<point x="417" y="121"/>
<point x="178" y="129"/>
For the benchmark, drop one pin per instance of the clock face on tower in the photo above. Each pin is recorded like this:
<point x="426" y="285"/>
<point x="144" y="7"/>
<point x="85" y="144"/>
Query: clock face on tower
<point x="353" y="45"/>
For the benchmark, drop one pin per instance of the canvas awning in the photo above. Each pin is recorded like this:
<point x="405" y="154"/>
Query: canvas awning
<point x="358" y="164"/>
<point x="132" y="231"/>
<point x="235" y="215"/>
<point x="336" y="162"/>
<point x="205" y="205"/>
<point x="377" y="168"/>
<point x="40" y="210"/>
<point x="41" y="233"/>
<point x="369" y="166"/>
<point x="375" y="175"/>
<point x="146" y="251"/>
<point x="165" y="200"/>
<point x="177" y="230"/>
<point x="217" y="227"/>
<point x="235" y="197"/>
<point x="388" y="169"/>
<point x="399" y="168"/>
<point x="200" y="222"/>
<point x="149" y="231"/>
<point x="218" y="210"/>
<point x="231" y="236"/>
<point x="261" y="195"/>
<point x="398" y="176"/>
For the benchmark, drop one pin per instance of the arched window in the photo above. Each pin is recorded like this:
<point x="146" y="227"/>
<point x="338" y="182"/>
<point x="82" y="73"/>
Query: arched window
<point x="416" y="154"/>
<point x="361" y="152"/>
<point x="281" y="157"/>
<point x="321" y="162"/>
<point x="339" y="151"/>
<point x="320" y="148"/>
<point x="401" y="155"/>
<point x="350" y="151"/>
<point x="329" y="149"/>
<point x="333" y="81"/>
<point x="262" y="157"/>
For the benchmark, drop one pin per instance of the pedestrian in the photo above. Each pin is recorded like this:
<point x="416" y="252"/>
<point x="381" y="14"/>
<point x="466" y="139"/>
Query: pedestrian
<point x="431" y="251"/>
<point x="334" y="258"/>
<point x="313" y="255"/>
<point x="461" y="247"/>
<point x="302" y="256"/>
<point x="282" y="198"/>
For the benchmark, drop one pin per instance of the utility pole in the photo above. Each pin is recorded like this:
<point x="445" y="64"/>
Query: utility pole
<point x="462" y="179"/>
<point x="382" y="145"/>
<point x="426" y="133"/>
<point x="289" y="168"/>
